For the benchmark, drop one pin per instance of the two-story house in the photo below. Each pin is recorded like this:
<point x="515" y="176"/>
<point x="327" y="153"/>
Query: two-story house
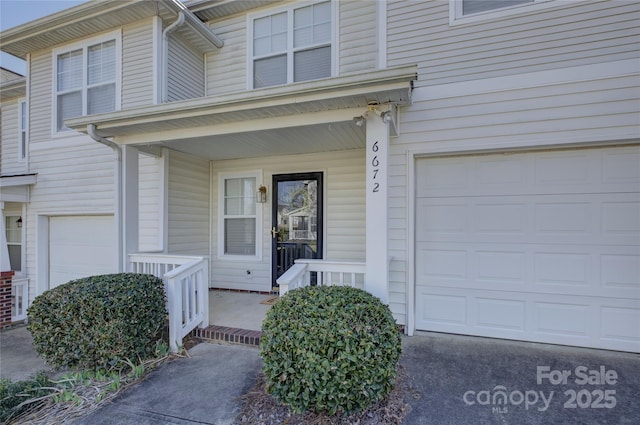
<point x="474" y="164"/>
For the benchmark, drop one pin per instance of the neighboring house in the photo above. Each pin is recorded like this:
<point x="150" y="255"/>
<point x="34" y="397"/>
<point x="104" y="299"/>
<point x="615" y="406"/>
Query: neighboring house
<point x="481" y="159"/>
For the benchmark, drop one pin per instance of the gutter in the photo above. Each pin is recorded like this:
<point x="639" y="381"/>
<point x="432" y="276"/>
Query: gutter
<point x="91" y="131"/>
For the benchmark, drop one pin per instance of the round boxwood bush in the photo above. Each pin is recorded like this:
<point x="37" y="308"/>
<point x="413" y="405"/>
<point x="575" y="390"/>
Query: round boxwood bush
<point x="98" y="322"/>
<point x="329" y="349"/>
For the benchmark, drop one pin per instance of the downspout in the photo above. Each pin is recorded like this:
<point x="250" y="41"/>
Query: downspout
<point x="165" y="55"/>
<point x="91" y="131"/>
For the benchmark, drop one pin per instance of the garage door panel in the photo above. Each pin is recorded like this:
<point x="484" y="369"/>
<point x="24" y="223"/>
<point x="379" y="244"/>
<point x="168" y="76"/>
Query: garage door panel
<point x="620" y="325"/>
<point x="603" y="271"/>
<point x="609" y="219"/>
<point x="81" y="246"/>
<point x="554" y="172"/>
<point x="538" y="319"/>
<point x="540" y="246"/>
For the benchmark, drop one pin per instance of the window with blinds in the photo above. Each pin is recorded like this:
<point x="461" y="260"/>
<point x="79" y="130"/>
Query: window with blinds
<point x="292" y="45"/>
<point x="239" y="215"/>
<point x="86" y="80"/>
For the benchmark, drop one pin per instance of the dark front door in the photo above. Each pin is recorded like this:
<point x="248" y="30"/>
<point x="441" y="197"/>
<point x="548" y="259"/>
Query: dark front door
<point x="297" y="220"/>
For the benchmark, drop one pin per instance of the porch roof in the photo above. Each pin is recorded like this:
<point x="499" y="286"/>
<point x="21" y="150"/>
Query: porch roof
<point x="15" y="188"/>
<point x="266" y="114"/>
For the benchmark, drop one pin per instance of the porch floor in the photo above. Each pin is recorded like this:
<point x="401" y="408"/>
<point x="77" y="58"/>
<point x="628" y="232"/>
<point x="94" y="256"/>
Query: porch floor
<point x="235" y="317"/>
<point x="237" y="309"/>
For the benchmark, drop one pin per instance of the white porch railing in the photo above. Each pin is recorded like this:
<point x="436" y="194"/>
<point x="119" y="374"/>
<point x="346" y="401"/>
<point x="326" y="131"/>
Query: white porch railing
<point x="20" y="299"/>
<point x="327" y="272"/>
<point x="186" y="282"/>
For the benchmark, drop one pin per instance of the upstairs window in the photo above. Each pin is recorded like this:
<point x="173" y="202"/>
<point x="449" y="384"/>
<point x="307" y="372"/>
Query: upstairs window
<point x="461" y="11"/>
<point x="292" y="45"/>
<point x="87" y="79"/>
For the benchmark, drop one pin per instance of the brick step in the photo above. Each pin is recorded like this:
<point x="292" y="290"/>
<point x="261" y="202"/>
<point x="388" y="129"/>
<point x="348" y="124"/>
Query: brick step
<point x="229" y="335"/>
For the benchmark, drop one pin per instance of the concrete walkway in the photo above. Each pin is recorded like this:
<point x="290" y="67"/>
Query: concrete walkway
<point x="453" y="380"/>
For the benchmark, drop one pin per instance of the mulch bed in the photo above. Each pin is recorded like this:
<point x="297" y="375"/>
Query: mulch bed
<point x="260" y="408"/>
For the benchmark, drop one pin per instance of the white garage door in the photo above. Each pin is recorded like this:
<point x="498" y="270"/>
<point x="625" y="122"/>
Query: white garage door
<point x="81" y="246"/>
<point x="537" y="246"/>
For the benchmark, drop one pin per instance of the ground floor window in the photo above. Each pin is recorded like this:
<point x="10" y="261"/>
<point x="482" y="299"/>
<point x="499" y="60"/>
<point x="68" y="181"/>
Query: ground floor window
<point x="13" y="226"/>
<point x="239" y="211"/>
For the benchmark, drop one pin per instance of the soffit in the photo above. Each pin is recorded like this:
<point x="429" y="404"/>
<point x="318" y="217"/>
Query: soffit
<point x="274" y="142"/>
<point x="98" y="16"/>
<point x="215" y="9"/>
<point x="14" y="88"/>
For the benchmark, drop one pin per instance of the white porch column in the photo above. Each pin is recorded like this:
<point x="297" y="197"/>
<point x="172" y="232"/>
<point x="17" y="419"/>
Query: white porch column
<point x="5" y="266"/>
<point x="130" y="216"/>
<point x="377" y="261"/>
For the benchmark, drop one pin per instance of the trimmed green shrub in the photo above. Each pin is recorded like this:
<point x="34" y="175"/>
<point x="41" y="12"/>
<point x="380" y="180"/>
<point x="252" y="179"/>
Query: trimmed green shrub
<point x="329" y="349"/>
<point x="98" y="322"/>
<point x="18" y="397"/>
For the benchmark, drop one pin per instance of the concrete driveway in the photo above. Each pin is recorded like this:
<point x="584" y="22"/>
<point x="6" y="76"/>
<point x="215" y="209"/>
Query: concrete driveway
<point x="466" y="380"/>
<point x="454" y="380"/>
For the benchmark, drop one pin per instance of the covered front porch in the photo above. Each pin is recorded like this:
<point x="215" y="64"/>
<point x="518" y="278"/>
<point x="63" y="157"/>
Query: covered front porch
<point x="227" y="315"/>
<point x="224" y="165"/>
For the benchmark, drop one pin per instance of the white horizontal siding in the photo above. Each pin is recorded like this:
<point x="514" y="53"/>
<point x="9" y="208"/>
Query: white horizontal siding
<point x="227" y="68"/>
<point x="570" y="34"/>
<point x="150" y="203"/>
<point x="188" y="219"/>
<point x="74" y="179"/>
<point x="185" y="70"/>
<point x="344" y="221"/>
<point x="41" y="97"/>
<point x="137" y="64"/>
<point x="358" y="48"/>
<point x="10" y="163"/>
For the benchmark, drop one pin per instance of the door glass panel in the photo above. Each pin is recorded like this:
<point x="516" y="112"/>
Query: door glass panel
<point x="296" y="228"/>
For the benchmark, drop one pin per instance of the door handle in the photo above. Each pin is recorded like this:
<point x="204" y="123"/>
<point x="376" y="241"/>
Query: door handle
<point x="274" y="232"/>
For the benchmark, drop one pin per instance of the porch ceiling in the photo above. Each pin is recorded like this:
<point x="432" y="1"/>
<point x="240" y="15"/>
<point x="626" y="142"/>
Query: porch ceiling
<point x="281" y="141"/>
<point x="304" y="117"/>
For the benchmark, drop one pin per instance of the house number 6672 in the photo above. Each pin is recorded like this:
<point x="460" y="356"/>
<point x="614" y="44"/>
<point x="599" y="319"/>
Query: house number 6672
<point x="375" y="162"/>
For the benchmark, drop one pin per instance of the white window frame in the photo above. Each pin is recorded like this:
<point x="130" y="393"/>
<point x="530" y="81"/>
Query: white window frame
<point x="457" y="18"/>
<point x="84" y="45"/>
<point x="12" y="218"/>
<point x="290" y="49"/>
<point x="222" y="177"/>
<point x="23" y="130"/>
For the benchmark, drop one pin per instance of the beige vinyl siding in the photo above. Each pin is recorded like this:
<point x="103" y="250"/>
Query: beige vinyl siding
<point x="568" y="34"/>
<point x="344" y="220"/>
<point x="150" y="203"/>
<point x="227" y="68"/>
<point x="76" y="177"/>
<point x="185" y="70"/>
<point x="41" y="101"/>
<point x="10" y="163"/>
<point x="515" y="114"/>
<point x="137" y="64"/>
<point x="358" y="48"/>
<point x="188" y="205"/>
